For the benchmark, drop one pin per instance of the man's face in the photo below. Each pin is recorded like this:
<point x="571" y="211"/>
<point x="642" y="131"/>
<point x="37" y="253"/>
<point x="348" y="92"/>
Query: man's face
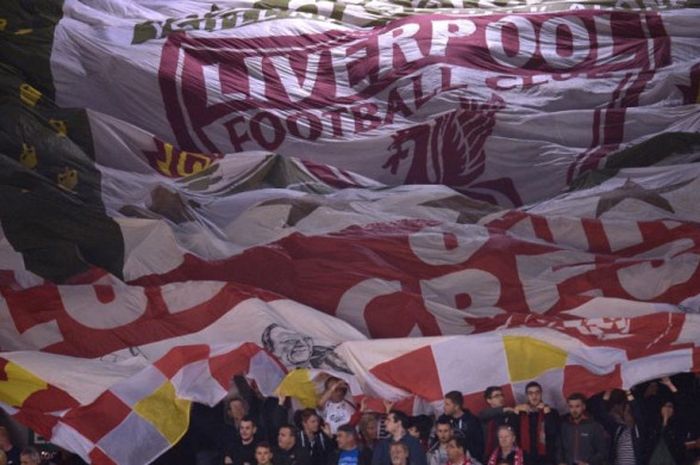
<point x="339" y="392"/>
<point x="443" y="433"/>
<point x="346" y="440"/>
<point x="534" y="396"/>
<point x="291" y="347"/>
<point x="450" y="407"/>
<point x="371" y="430"/>
<point x="27" y="460"/>
<point x="247" y="430"/>
<point x="285" y="439"/>
<point x="454" y="453"/>
<point x="413" y="431"/>
<point x="398" y="455"/>
<point x="263" y="455"/>
<point x="576" y="408"/>
<point x="236" y="409"/>
<point x="496" y="399"/>
<point x="506" y="438"/>
<point x="312" y="424"/>
<point x="392" y="426"/>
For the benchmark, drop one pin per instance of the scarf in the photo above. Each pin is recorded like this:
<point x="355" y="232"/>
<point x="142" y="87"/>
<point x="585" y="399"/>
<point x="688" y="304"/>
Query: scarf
<point x="519" y="459"/>
<point x="525" y="432"/>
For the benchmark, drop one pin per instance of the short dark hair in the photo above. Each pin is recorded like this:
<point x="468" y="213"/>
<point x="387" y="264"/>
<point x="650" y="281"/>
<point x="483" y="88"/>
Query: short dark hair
<point x="533" y="384"/>
<point x="576" y="396"/>
<point x="456" y="397"/>
<point x="347" y="428"/>
<point x="251" y="419"/>
<point x="292" y="429"/>
<point x="400" y="417"/>
<point x="307" y="413"/>
<point x="263" y="444"/>
<point x="490" y="390"/>
<point x="460" y="441"/>
<point x="443" y="420"/>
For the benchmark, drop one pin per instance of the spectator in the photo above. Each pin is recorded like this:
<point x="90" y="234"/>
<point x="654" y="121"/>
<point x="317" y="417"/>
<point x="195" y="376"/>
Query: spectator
<point x="437" y="453"/>
<point x="29" y="456"/>
<point x="369" y="429"/>
<point x="507" y="451"/>
<point x="464" y="421"/>
<point x="396" y="424"/>
<point x="457" y="452"/>
<point x="263" y="453"/>
<point x="3" y="457"/>
<point x="288" y="451"/>
<point x="537" y="428"/>
<point x="582" y="441"/>
<point x="667" y="431"/>
<point x="349" y="451"/>
<point x="493" y="416"/>
<point x="419" y="427"/>
<point x="335" y="409"/>
<point x="398" y="453"/>
<point x="241" y="450"/>
<point x="316" y="442"/>
<point x="622" y="419"/>
<point x="11" y="452"/>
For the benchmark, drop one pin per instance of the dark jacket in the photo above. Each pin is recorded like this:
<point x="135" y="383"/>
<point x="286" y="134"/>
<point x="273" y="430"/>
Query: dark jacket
<point x="585" y="441"/>
<point x="470" y="427"/>
<point x="318" y="449"/>
<point x="615" y="426"/>
<point x="297" y="455"/>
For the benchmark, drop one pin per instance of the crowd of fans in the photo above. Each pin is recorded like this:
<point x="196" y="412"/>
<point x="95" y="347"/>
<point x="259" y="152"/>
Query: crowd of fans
<point x="657" y="423"/>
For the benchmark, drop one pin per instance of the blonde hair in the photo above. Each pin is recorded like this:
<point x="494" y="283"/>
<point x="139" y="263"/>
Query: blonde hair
<point x="3" y="457"/>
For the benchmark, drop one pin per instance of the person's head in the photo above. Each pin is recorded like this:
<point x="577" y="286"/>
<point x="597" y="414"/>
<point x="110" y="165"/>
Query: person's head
<point x="456" y="449"/>
<point x="29" y="456"/>
<point x="396" y="421"/>
<point x="443" y="430"/>
<point x="398" y="451"/>
<point x="3" y="457"/>
<point x="506" y="437"/>
<point x="340" y="389"/>
<point x="533" y="391"/>
<point x="577" y="405"/>
<point x="263" y="453"/>
<point x="247" y="429"/>
<point x="310" y="421"/>
<point x="494" y="396"/>
<point x="286" y="437"/>
<point x="369" y="426"/>
<point x="292" y="348"/>
<point x="237" y="408"/>
<point x="416" y="427"/>
<point x="346" y="437"/>
<point x="453" y="403"/>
